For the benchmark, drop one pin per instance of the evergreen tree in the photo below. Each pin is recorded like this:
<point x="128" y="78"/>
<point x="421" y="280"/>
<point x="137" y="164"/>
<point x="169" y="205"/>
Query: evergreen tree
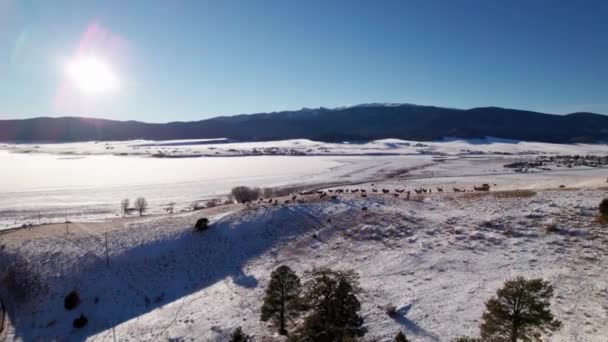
<point x="239" y="336"/>
<point x="282" y="299"/>
<point x="519" y="311"/>
<point x="400" y="337"/>
<point x="604" y="210"/>
<point x="333" y="306"/>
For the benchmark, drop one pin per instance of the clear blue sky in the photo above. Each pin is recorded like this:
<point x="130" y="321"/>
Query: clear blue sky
<point x="188" y="60"/>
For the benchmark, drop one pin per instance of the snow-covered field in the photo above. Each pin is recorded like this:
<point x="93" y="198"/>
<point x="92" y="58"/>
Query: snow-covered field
<point x="44" y="183"/>
<point x="437" y="257"/>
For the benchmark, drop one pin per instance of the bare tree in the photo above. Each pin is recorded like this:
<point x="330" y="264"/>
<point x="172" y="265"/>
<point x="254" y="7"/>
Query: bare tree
<point x="124" y="207"/>
<point x="141" y="205"/>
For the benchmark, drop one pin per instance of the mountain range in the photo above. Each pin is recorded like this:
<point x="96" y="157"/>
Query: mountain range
<point x="355" y="123"/>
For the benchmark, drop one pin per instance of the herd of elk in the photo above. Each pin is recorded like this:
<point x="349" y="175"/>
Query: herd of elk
<point x="363" y="193"/>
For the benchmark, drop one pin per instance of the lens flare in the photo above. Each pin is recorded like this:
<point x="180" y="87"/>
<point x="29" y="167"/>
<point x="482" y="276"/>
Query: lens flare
<point x="91" y="75"/>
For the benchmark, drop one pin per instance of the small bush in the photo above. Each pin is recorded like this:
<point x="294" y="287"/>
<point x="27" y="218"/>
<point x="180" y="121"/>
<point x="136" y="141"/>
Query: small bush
<point x="604" y="211"/>
<point x="81" y="321"/>
<point x="239" y="336"/>
<point x="202" y="224"/>
<point x="243" y="194"/>
<point x="196" y="206"/>
<point x="71" y="300"/>
<point x="391" y="311"/>
<point x="212" y="203"/>
<point x="400" y="337"/>
<point x="170" y="208"/>
<point x="551" y="227"/>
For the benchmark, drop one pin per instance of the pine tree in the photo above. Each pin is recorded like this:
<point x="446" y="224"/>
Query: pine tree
<point x="400" y="337"/>
<point x="281" y="302"/>
<point x="604" y="211"/>
<point x="239" y="336"/>
<point x="520" y="310"/>
<point x="333" y="306"/>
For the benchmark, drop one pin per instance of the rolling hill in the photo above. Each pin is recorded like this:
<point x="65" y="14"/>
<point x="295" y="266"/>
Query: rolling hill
<point x="356" y="123"/>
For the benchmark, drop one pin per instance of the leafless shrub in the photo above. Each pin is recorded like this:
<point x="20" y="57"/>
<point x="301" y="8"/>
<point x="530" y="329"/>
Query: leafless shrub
<point x="212" y="203"/>
<point x="196" y="205"/>
<point x="244" y="194"/>
<point x="141" y="205"/>
<point x="124" y="206"/>
<point x="22" y="284"/>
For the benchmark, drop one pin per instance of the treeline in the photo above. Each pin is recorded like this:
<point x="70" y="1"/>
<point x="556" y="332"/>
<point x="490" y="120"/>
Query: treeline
<point x="326" y="308"/>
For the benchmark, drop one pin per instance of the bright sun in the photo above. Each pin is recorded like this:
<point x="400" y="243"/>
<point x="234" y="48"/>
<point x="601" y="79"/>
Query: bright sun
<point x="92" y="75"/>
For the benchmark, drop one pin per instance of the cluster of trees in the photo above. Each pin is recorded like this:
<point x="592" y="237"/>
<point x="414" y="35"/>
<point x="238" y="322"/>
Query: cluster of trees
<point x="326" y="309"/>
<point x="140" y="205"/>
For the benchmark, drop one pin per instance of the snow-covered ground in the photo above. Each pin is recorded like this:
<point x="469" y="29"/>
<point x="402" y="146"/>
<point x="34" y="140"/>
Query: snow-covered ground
<point x="221" y="147"/>
<point x="86" y="181"/>
<point x="437" y="257"/>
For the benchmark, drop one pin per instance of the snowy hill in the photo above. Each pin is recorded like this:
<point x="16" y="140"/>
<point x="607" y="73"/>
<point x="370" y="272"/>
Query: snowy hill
<point x="436" y="258"/>
<point x="354" y="123"/>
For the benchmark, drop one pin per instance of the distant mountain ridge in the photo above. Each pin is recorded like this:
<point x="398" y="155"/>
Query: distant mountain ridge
<point x="355" y="123"/>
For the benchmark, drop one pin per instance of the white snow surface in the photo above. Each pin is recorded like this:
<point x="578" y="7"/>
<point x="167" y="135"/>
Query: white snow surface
<point x="437" y="257"/>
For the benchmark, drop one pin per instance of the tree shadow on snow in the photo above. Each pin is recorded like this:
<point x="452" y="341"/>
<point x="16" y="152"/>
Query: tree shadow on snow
<point x="410" y="326"/>
<point x="143" y="278"/>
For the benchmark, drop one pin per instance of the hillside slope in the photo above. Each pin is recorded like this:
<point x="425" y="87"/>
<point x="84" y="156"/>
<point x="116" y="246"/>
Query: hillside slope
<point x="363" y="122"/>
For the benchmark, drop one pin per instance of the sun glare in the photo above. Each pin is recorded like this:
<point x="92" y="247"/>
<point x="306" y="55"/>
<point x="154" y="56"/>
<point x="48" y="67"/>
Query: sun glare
<point x="92" y="75"/>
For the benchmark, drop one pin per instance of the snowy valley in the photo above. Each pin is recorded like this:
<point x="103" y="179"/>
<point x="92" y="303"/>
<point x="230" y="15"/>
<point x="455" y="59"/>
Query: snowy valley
<point x="436" y="256"/>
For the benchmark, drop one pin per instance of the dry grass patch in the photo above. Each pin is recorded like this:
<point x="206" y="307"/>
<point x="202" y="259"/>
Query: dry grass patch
<point x="502" y="194"/>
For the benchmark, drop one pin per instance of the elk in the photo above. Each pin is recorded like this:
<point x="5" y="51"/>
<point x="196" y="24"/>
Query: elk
<point x="399" y="190"/>
<point x="385" y="191"/>
<point x="375" y="190"/>
<point x="439" y="189"/>
<point x="364" y="209"/>
<point x="396" y="195"/>
<point x="363" y="195"/>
